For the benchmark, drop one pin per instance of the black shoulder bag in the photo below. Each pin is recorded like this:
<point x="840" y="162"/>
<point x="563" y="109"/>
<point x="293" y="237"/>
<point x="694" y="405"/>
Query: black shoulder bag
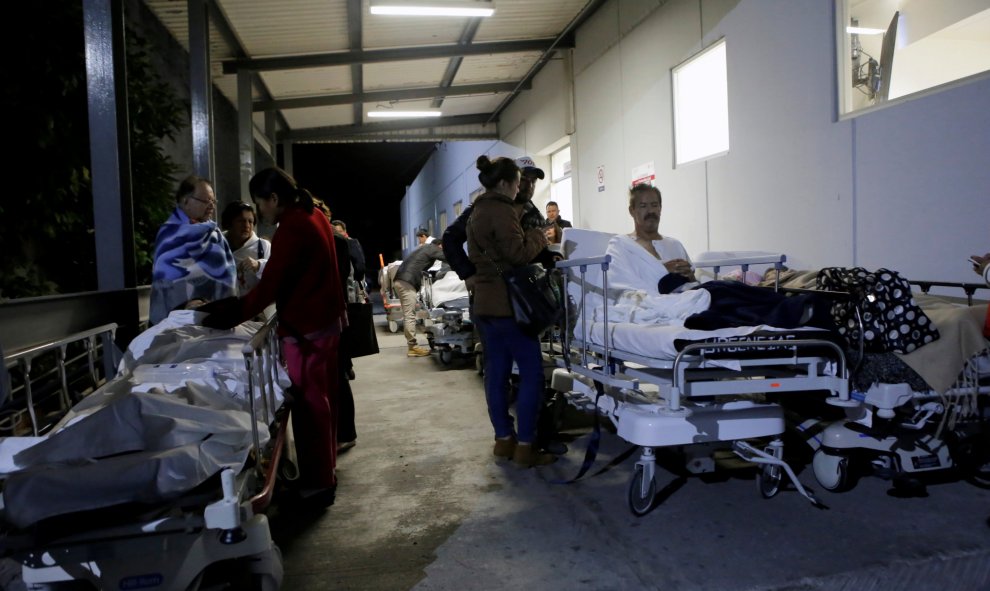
<point x="535" y="296"/>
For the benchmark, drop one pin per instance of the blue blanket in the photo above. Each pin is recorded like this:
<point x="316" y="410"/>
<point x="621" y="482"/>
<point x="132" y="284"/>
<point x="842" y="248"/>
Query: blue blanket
<point x="192" y="261"/>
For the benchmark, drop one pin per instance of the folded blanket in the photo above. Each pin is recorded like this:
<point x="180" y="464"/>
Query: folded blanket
<point x="192" y="261"/>
<point x="961" y="330"/>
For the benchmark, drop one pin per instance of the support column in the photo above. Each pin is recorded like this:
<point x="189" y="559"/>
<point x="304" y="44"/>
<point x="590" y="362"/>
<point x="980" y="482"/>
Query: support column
<point x="109" y="143"/>
<point x="201" y="88"/>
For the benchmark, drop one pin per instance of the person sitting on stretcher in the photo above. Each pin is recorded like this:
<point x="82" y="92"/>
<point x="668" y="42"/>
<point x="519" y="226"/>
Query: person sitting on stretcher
<point x="645" y="261"/>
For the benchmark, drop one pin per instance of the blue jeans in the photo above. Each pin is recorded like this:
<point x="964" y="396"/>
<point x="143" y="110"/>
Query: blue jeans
<point x="504" y="343"/>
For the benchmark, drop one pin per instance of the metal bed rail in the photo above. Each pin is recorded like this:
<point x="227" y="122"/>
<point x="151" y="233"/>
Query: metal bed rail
<point x="614" y="372"/>
<point x="98" y="345"/>
<point x="261" y="356"/>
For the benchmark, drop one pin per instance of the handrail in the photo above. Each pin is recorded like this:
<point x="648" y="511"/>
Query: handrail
<point x="261" y="352"/>
<point x="968" y="288"/>
<point x="24" y="358"/>
<point x="35" y="350"/>
<point x="682" y="359"/>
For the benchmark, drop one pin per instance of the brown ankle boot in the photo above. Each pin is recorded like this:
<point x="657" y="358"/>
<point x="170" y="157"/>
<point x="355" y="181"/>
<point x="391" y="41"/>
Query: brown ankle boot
<point x="527" y="457"/>
<point x="505" y="447"/>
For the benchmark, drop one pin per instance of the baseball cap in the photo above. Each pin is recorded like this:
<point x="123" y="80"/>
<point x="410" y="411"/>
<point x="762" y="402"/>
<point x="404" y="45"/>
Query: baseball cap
<point x="527" y="166"/>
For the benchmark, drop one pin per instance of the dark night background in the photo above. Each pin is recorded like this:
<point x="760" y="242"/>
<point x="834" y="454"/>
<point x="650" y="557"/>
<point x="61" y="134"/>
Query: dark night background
<point x="363" y="183"/>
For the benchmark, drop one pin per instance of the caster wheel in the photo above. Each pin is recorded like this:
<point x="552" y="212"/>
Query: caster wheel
<point x="831" y="471"/>
<point x="393" y="326"/>
<point x="479" y="363"/>
<point x="446" y="356"/>
<point x="768" y="479"/>
<point x="640" y="502"/>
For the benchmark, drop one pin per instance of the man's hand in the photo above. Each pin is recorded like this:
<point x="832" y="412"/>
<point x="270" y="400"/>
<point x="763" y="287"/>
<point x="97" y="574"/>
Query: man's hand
<point x="680" y="267"/>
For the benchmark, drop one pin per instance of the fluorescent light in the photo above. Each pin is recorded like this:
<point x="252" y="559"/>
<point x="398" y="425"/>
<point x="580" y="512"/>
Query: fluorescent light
<point x="432" y="7"/>
<point x="402" y="114"/>
<point x="864" y="31"/>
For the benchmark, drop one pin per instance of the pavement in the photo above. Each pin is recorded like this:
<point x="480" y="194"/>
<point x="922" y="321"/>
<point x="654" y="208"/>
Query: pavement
<point x="422" y="504"/>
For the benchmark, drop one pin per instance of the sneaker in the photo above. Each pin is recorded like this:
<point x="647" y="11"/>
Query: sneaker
<point x="527" y="457"/>
<point x="416" y="351"/>
<point x="504" y="447"/>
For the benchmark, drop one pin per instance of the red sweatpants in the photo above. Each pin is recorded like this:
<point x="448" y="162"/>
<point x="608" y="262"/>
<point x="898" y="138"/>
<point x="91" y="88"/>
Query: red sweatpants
<point x="313" y="371"/>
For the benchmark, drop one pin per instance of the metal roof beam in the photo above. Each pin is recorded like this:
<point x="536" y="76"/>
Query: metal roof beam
<point x="370" y="56"/>
<point x="337" y="131"/>
<point x="356" y="42"/>
<point x="389" y="95"/>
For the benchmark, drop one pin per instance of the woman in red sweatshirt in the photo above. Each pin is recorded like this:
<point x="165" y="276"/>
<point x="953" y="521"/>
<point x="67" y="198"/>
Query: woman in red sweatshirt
<point x="301" y="278"/>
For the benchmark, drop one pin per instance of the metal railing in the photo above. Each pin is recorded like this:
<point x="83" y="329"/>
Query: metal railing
<point x="97" y="349"/>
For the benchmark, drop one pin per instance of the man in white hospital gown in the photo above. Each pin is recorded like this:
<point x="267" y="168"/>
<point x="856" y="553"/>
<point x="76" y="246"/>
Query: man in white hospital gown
<point x="643" y="257"/>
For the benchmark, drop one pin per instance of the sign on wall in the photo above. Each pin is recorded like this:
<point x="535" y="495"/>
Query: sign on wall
<point x="644" y="174"/>
<point x="600" y="179"/>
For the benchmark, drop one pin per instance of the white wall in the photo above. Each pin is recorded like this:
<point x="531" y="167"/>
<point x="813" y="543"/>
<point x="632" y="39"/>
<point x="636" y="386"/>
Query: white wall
<point x="904" y="186"/>
<point x="449" y="176"/>
<point x="796" y="179"/>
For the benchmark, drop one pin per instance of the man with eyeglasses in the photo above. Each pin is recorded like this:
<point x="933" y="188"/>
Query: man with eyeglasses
<point x="193" y="263"/>
<point x="200" y="204"/>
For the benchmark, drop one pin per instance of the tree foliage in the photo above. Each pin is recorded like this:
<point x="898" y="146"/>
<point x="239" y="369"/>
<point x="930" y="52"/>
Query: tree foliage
<point x="47" y="235"/>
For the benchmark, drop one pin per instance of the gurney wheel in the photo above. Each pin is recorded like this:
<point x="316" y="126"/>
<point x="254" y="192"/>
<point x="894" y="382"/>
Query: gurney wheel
<point x="831" y="471"/>
<point x="446" y="356"/>
<point x="393" y="326"/>
<point x="640" y="503"/>
<point x="479" y="363"/>
<point x="768" y="479"/>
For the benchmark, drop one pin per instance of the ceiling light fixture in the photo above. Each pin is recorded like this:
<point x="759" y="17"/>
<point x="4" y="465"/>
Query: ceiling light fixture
<point x="402" y="114"/>
<point x="433" y="7"/>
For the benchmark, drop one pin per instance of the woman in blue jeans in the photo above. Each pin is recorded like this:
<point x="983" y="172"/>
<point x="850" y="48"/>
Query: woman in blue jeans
<point x="496" y="240"/>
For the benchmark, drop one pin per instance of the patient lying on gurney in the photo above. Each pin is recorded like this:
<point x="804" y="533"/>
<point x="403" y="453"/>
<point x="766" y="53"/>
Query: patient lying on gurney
<point x="653" y="282"/>
<point x="150" y="434"/>
<point x="448" y="290"/>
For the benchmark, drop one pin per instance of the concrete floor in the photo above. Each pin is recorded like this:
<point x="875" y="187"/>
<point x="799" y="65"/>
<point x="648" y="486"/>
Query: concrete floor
<point x="422" y="504"/>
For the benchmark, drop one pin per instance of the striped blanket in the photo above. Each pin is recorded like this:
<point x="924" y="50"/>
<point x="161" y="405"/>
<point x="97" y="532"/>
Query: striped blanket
<point x="192" y="261"/>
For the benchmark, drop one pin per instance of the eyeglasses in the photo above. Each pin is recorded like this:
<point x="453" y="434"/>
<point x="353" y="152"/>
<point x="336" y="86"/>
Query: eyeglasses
<point x="212" y="202"/>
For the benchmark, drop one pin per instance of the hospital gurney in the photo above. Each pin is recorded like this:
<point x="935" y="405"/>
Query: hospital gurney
<point x="449" y="329"/>
<point x="913" y="425"/>
<point x="158" y="479"/>
<point x="666" y="386"/>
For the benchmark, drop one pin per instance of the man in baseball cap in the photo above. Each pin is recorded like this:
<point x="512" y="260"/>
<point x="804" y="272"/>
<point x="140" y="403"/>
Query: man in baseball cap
<point x="529" y="168"/>
<point x="531" y="216"/>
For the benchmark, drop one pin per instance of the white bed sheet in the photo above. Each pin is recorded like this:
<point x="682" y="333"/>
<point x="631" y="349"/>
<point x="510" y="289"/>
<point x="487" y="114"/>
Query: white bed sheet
<point x="448" y="288"/>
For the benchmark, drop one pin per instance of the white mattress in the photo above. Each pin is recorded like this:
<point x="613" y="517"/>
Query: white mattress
<point x="658" y="341"/>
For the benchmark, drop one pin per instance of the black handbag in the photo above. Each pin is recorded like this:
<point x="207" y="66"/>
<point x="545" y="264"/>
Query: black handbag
<point x="891" y="320"/>
<point x="535" y="294"/>
<point x="359" y="338"/>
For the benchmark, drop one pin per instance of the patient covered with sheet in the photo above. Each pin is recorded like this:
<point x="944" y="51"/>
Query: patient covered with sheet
<point x="173" y="417"/>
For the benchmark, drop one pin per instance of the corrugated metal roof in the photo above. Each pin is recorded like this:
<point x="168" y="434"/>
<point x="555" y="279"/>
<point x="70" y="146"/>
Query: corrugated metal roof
<point x="318" y="47"/>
